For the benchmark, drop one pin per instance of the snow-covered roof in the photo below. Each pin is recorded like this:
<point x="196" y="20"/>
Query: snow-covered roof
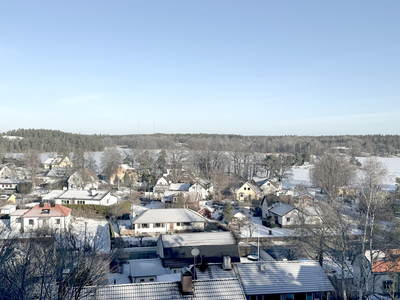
<point x="84" y="195"/>
<point x="281" y="209"/>
<point x="204" y="289"/>
<point x="179" y="186"/>
<point x="198" y="239"/>
<point x="147" y="267"/>
<point x="53" y="194"/>
<point x="172" y="215"/>
<point x="18" y="212"/>
<point x="283" y="277"/>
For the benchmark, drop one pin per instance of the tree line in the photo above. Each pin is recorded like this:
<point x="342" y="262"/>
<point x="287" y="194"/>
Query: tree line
<point x="45" y="140"/>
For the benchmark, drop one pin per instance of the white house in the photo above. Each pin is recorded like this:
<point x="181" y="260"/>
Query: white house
<point x="146" y="270"/>
<point x="286" y="215"/>
<point x="83" y="180"/>
<point x="8" y="209"/>
<point x="158" y="221"/>
<point x="96" y="197"/>
<point x="5" y="172"/>
<point x="204" y="188"/>
<point x="41" y="216"/>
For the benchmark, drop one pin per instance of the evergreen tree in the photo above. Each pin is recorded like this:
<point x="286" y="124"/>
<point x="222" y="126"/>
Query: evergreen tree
<point x="227" y="212"/>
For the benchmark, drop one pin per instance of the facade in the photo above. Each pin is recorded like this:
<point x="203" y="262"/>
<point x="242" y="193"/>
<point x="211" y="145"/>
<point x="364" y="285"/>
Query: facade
<point x="249" y="191"/>
<point x="286" y="215"/>
<point x="58" y="162"/>
<point x="97" y="197"/>
<point x="159" y="221"/>
<point x="5" y="172"/>
<point x="41" y="216"/>
<point x="204" y="188"/>
<point x="207" y="211"/>
<point x="9" y="184"/>
<point x="120" y="173"/>
<point x="270" y="186"/>
<point x="8" y="209"/>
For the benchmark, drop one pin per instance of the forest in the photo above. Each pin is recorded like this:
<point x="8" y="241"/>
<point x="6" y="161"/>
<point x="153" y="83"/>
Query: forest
<point x="45" y="140"/>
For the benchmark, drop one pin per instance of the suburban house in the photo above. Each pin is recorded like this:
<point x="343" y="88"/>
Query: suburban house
<point x="175" y="250"/>
<point x="120" y="174"/>
<point x="203" y="187"/>
<point x="57" y="162"/>
<point x="83" y="180"/>
<point x="384" y="271"/>
<point x="191" y="200"/>
<point x="289" y="280"/>
<point x="146" y="270"/>
<point x="176" y="175"/>
<point x="96" y="197"/>
<point x="9" y="184"/>
<point x="249" y="191"/>
<point x="269" y="185"/>
<point x="5" y="172"/>
<point x="43" y="215"/>
<point x="158" y="221"/>
<point x="7" y="197"/>
<point x="207" y="211"/>
<point x="8" y="209"/>
<point x="286" y="215"/>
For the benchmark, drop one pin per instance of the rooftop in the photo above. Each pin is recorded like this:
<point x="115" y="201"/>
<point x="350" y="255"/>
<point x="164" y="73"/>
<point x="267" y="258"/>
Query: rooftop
<point x="198" y="239"/>
<point x="204" y="289"/>
<point x="172" y="215"/>
<point x="47" y="211"/>
<point x="83" y="195"/>
<point x="283" y="277"/>
<point x="281" y="209"/>
<point x="147" y="267"/>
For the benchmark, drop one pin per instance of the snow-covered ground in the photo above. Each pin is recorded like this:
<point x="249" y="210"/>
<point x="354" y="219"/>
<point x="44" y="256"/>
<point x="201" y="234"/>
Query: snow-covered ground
<point x="120" y="278"/>
<point x="97" y="232"/>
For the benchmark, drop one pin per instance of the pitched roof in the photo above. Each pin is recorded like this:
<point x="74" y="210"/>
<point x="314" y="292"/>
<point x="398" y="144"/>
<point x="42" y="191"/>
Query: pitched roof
<point x="283" y="277"/>
<point x="254" y="186"/>
<point x="56" y="211"/>
<point x="147" y="267"/>
<point x="84" y="195"/>
<point x="204" y="289"/>
<point x="172" y="215"/>
<point x="281" y="209"/>
<point x="198" y="239"/>
<point x="179" y="186"/>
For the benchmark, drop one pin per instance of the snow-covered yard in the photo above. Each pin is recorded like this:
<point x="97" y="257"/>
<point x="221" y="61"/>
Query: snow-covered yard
<point x="97" y="232"/>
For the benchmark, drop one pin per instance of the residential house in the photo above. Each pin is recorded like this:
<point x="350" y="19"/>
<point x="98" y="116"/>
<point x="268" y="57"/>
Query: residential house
<point x="269" y="185"/>
<point x="203" y="187"/>
<point x="57" y="162"/>
<point x="8" y="209"/>
<point x="182" y="176"/>
<point x="158" y="221"/>
<point x="120" y="174"/>
<point x="9" y="184"/>
<point x="5" y="172"/>
<point x="249" y="191"/>
<point x="7" y="197"/>
<point x="146" y="270"/>
<point x="289" y="280"/>
<point x="207" y="211"/>
<point x="83" y="180"/>
<point x="97" y="197"/>
<point x="175" y="250"/>
<point x="191" y="200"/>
<point x="43" y="215"/>
<point x="384" y="271"/>
<point x="286" y="215"/>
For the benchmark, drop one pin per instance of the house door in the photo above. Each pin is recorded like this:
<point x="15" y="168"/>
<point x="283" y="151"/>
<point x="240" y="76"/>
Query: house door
<point x="171" y="226"/>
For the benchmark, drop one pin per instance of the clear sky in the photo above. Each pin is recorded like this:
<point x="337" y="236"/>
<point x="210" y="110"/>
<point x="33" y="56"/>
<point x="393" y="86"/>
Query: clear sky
<point x="242" y="67"/>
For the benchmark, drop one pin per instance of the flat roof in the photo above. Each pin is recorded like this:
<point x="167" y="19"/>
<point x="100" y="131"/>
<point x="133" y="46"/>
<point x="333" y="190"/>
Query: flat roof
<point x="171" y="215"/>
<point x="198" y="239"/>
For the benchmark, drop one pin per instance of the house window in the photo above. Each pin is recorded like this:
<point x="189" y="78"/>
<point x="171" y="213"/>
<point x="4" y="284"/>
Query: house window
<point x="18" y="220"/>
<point x="57" y="221"/>
<point x="186" y="224"/>
<point x="81" y="202"/>
<point x="178" y="224"/>
<point x="144" y="225"/>
<point x="158" y="225"/>
<point x="387" y="284"/>
<point x="287" y="219"/>
<point x="141" y="280"/>
<point x="31" y="222"/>
<point x="151" y="279"/>
<point x="289" y="296"/>
<point x="108" y="201"/>
<point x="65" y="201"/>
<point x="309" y="296"/>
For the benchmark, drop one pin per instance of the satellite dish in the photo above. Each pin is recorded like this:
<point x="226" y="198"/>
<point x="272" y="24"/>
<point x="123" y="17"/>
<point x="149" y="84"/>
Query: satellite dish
<point x="195" y="252"/>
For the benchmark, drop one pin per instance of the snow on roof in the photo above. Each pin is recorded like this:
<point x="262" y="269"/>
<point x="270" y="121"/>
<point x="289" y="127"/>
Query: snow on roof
<point x="281" y="209"/>
<point x="198" y="239"/>
<point x="179" y="186"/>
<point x="84" y="195"/>
<point x="18" y="212"/>
<point x="205" y="289"/>
<point x="47" y="211"/>
<point x="283" y="277"/>
<point x="172" y="215"/>
<point x="210" y="209"/>
<point x="7" y="207"/>
<point x="169" y="277"/>
<point x="253" y="185"/>
<point x="53" y="194"/>
<point x="147" y="267"/>
<point x="215" y="271"/>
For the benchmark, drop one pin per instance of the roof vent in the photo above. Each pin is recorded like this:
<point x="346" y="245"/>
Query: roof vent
<point x="52" y="204"/>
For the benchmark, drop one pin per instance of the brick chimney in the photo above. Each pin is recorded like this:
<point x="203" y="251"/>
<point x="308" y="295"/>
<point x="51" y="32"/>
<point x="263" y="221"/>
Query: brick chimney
<point x="186" y="281"/>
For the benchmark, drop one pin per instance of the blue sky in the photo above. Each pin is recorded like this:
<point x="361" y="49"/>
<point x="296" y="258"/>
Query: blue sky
<point x="241" y="67"/>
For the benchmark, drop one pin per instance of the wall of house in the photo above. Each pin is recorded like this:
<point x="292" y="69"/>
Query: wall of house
<point x="247" y="192"/>
<point x="38" y="223"/>
<point x="180" y="226"/>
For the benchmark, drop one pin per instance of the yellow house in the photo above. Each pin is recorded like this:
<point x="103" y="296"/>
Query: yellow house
<point x="249" y="191"/>
<point x="58" y="162"/>
<point x="120" y="173"/>
<point x="347" y="191"/>
<point x="8" y="197"/>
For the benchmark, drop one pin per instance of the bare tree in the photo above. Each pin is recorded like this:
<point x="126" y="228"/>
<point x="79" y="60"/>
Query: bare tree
<point x="330" y="172"/>
<point x="33" y="163"/>
<point x="110" y="161"/>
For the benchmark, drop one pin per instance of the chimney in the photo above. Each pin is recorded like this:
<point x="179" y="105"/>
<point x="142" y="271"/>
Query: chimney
<point x="186" y="281"/>
<point x="41" y="204"/>
<point x="52" y="203"/>
<point x="226" y="263"/>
